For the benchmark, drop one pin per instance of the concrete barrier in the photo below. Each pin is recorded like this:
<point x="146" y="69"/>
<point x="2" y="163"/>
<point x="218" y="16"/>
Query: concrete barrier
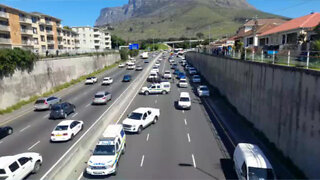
<point x="282" y="102"/>
<point x="48" y="74"/>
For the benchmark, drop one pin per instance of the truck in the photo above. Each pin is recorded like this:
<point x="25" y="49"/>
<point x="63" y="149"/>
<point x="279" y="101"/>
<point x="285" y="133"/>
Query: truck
<point x="157" y="88"/>
<point x="145" y="55"/>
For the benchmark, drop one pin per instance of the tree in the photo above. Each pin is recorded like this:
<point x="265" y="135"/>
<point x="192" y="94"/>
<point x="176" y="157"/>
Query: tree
<point x="317" y="31"/>
<point x="200" y="35"/>
<point x="67" y="28"/>
<point x="117" y="41"/>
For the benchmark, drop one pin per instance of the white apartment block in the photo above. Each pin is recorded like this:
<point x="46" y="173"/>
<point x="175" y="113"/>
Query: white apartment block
<point x="92" y="38"/>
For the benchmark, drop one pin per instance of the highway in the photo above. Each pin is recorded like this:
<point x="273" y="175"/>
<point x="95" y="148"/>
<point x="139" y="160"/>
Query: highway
<point x="32" y="130"/>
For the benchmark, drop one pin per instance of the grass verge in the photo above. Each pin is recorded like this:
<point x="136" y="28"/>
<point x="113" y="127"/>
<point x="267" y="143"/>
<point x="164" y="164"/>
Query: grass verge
<point x="56" y="89"/>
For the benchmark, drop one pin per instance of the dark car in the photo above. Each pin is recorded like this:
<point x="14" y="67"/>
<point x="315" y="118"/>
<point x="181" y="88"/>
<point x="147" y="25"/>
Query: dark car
<point x="5" y="131"/>
<point x="62" y="110"/>
<point x="176" y="71"/>
<point x="181" y="75"/>
<point x="174" y="66"/>
<point x="126" y="78"/>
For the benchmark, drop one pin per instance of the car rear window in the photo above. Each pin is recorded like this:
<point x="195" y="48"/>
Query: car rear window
<point x="184" y="99"/>
<point x="40" y="101"/>
<point x="2" y="171"/>
<point x="61" y="128"/>
<point x="88" y="78"/>
<point x="56" y="107"/>
<point x="98" y="96"/>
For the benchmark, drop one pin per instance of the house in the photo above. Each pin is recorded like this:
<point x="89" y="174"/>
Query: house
<point x="295" y="34"/>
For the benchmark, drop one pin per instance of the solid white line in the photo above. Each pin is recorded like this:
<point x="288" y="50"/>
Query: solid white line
<point x="189" y="137"/>
<point x="194" y="162"/>
<point x="81" y="175"/>
<point x="1" y="142"/>
<point x="185" y="122"/>
<point x="74" y="115"/>
<point x="84" y="134"/>
<point x="46" y="116"/>
<point x="148" y="137"/>
<point x="141" y="164"/>
<point x="33" y="145"/>
<point x="25" y="128"/>
<point x="88" y="105"/>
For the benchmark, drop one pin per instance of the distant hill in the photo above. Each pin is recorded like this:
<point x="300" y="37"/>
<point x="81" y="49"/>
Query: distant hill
<point x="143" y="19"/>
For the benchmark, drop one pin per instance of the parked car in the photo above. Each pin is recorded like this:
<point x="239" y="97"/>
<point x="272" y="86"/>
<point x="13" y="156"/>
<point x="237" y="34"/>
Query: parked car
<point x="5" y="131"/>
<point x="19" y="166"/>
<point x="62" y="110"/>
<point x="46" y="103"/>
<point x="174" y="66"/>
<point x="139" y="68"/>
<point x="107" y="81"/>
<point x="126" y="78"/>
<point x="91" y="80"/>
<point x="203" y="90"/>
<point x="66" y="130"/>
<point x="196" y="79"/>
<point x="101" y="97"/>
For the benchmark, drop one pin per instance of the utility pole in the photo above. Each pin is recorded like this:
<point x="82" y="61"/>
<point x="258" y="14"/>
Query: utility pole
<point x="209" y="34"/>
<point x="153" y="43"/>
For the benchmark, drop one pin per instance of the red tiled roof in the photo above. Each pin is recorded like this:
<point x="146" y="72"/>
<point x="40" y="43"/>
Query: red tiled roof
<point x="265" y="21"/>
<point x="308" y="21"/>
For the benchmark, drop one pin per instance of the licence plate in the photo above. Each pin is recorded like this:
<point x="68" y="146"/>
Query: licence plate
<point x="58" y="135"/>
<point x="97" y="172"/>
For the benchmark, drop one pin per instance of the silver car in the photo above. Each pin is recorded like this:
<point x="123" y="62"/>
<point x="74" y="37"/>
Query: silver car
<point x="203" y="91"/>
<point x="46" y="103"/>
<point x="101" y="97"/>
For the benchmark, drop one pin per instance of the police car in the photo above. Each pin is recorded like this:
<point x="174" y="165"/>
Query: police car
<point x="157" y="88"/>
<point x="105" y="157"/>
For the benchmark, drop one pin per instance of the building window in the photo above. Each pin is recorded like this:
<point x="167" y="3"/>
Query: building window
<point x="43" y="39"/>
<point x="3" y="9"/>
<point x="34" y="19"/>
<point x="292" y="38"/>
<point x="41" y="28"/>
<point x="283" y="39"/>
<point x="36" y="41"/>
<point x="35" y="30"/>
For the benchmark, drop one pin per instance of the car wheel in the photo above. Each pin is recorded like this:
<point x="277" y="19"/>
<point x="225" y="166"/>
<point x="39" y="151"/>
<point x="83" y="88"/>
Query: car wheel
<point x="146" y="93"/>
<point x="72" y="136"/>
<point x="140" y="130"/>
<point x="10" y="131"/>
<point x="155" y="120"/>
<point x="115" y="170"/>
<point x="81" y="127"/>
<point x="74" y="109"/>
<point x="164" y="92"/>
<point x="124" y="149"/>
<point x="65" y="116"/>
<point x="36" y="167"/>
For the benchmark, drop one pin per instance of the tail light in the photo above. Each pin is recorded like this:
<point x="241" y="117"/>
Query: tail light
<point x="104" y="97"/>
<point x="65" y="134"/>
<point x="45" y="102"/>
<point x="52" y="134"/>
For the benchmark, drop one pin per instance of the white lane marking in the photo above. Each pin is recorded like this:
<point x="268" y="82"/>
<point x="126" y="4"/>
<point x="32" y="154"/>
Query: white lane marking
<point x="148" y="137"/>
<point x="155" y="101"/>
<point x="185" y="122"/>
<point x="88" y="105"/>
<point x="189" y="137"/>
<point x="164" y="66"/>
<point x="1" y="142"/>
<point x="74" y="115"/>
<point x="84" y="134"/>
<point x="33" y="145"/>
<point x="25" y="128"/>
<point x="81" y="175"/>
<point x="142" y="159"/>
<point x="194" y="162"/>
<point x="46" y="116"/>
<point x="183" y="111"/>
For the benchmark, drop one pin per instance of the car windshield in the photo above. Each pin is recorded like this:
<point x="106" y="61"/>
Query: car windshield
<point x="40" y="101"/>
<point x="260" y="174"/>
<point x="56" y="107"/>
<point x="99" y="96"/>
<point x="167" y="72"/>
<point x="135" y="116"/>
<point x="184" y="99"/>
<point x="196" y="77"/>
<point x="2" y="171"/>
<point x="104" y="150"/>
<point x="61" y="128"/>
<point x="204" y="89"/>
<point x="89" y="79"/>
<point x="183" y="81"/>
<point x="106" y="78"/>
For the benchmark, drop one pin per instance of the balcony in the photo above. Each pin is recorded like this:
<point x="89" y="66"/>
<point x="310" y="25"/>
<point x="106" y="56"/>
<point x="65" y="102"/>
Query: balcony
<point x="4" y="15"/>
<point x="49" y="32"/>
<point x="25" y="20"/>
<point x="4" y="28"/>
<point x="50" y="41"/>
<point x="48" y="23"/>
<point x="5" y="41"/>
<point x="60" y="43"/>
<point x="26" y="32"/>
<point x="27" y="42"/>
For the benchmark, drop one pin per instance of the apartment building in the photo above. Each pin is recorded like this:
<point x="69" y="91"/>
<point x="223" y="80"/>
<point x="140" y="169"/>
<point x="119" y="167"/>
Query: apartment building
<point x="36" y="31"/>
<point x="91" y="38"/>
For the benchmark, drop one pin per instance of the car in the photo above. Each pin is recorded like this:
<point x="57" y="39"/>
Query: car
<point x="126" y="78"/>
<point x="174" y="66"/>
<point x="154" y="77"/>
<point x="184" y="101"/>
<point x="62" y="110"/>
<point x="46" y="103"/>
<point x="139" y="68"/>
<point x="183" y="83"/>
<point x="106" y="155"/>
<point x="157" y="64"/>
<point x="167" y="75"/>
<point x="157" y="88"/>
<point x="66" y="130"/>
<point x="176" y="71"/>
<point x="181" y="75"/>
<point x="101" y="97"/>
<point x="192" y="71"/>
<point x="155" y="69"/>
<point x="19" y="166"/>
<point x="5" y="131"/>
<point x="203" y="90"/>
<point x="251" y="163"/>
<point x="196" y="79"/>
<point x="140" y="119"/>
<point x="121" y="65"/>
<point x="131" y="66"/>
<point x="91" y="80"/>
<point x="107" y="81"/>
<point x="171" y="61"/>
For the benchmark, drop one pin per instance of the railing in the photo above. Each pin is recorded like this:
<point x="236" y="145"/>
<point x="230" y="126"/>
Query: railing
<point x="303" y="59"/>
<point x="4" y="28"/>
<point x="5" y="41"/>
<point x="24" y="19"/>
<point x="50" y="41"/>
<point x="26" y="31"/>
<point x="4" y="14"/>
<point x="49" y="32"/>
<point x="48" y="22"/>
<point x="27" y="42"/>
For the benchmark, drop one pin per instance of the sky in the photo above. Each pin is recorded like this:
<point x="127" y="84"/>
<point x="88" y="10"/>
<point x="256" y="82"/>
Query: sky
<point x="85" y="12"/>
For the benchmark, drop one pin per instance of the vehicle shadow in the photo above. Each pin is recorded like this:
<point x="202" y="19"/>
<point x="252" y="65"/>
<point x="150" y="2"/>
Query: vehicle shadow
<point x="197" y="168"/>
<point x="228" y="169"/>
<point x="89" y="176"/>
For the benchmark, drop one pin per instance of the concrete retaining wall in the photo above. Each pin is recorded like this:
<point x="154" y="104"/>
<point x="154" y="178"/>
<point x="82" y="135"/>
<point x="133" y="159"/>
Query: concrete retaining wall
<point x="282" y="102"/>
<point x="48" y="74"/>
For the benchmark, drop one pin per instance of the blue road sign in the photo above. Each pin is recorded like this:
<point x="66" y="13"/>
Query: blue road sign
<point x="133" y="46"/>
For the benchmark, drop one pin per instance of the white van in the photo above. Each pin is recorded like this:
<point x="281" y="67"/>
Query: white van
<point x="107" y="152"/>
<point x="157" y="88"/>
<point x="251" y="163"/>
<point x="131" y="66"/>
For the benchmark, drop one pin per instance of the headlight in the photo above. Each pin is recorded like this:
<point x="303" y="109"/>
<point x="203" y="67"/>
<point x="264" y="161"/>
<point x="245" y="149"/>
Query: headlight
<point x="109" y="166"/>
<point x="61" y="111"/>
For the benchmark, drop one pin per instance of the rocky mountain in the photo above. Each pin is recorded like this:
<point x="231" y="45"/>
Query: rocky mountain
<point x="143" y="19"/>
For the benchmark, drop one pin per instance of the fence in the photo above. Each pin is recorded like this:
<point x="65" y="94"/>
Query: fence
<point x="304" y="59"/>
<point x="72" y="53"/>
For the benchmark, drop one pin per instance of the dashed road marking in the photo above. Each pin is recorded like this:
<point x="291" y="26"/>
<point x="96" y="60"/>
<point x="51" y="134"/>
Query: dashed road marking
<point x="46" y="116"/>
<point x="189" y="137"/>
<point x="185" y="122"/>
<point x="148" y="137"/>
<point x="74" y="115"/>
<point x="194" y="161"/>
<point x="25" y="128"/>
<point x="183" y="111"/>
<point x="142" y="159"/>
<point x="33" y="145"/>
<point x="88" y="105"/>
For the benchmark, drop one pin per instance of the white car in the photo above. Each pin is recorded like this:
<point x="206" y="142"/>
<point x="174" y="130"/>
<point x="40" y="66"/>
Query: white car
<point x="131" y="66"/>
<point x="140" y="119"/>
<point x="91" y="80"/>
<point x="121" y="65"/>
<point x="171" y="61"/>
<point x="183" y="83"/>
<point x="167" y="75"/>
<point x="107" y="81"/>
<point x="158" y="88"/>
<point x="184" y="101"/>
<point x="155" y="69"/>
<point x="196" y="79"/>
<point x="157" y="64"/>
<point x="203" y="91"/>
<point x="66" y="130"/>
<point x="17" y="167"/>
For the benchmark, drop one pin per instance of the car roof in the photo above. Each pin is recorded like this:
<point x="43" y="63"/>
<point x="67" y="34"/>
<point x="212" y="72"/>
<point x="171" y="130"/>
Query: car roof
<point x="107" y="78"/>
<point x="65" y="122"/>
<point x="184" y="94"/>
<point x="254" y="157"/>
<point x="202" y="86"/>
<point x="6" y="161"/>
<point x="141" y="110"/>
<point x="100" y="92"/>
